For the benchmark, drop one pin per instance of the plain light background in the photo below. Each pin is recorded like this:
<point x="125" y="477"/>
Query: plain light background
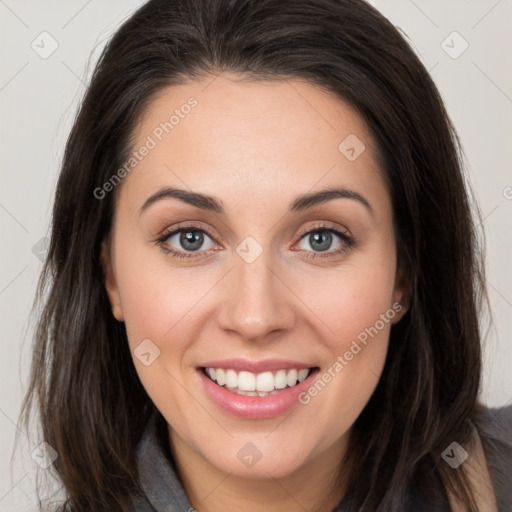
<point x="38" y="100"/>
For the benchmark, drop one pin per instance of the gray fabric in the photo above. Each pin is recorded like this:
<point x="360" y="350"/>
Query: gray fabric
<point x="163" y="491"/>
<point x="497" y="440"/>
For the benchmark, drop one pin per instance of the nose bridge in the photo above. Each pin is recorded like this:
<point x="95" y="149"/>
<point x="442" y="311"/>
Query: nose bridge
<point x="257" y="302"/>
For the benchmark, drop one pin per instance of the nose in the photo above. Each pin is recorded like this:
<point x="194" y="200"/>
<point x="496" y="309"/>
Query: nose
<point x="259" y="303"/>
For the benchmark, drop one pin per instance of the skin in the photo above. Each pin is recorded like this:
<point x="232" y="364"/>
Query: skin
<point x="256" y="146"/>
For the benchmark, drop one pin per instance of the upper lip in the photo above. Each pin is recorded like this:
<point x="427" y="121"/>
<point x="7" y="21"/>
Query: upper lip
<point x="264" y="365"/>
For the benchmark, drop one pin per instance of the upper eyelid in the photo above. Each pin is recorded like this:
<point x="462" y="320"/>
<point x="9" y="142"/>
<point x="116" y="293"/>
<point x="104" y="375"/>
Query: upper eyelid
<point x="166" y="233"/>
<point x="324" y="226"/>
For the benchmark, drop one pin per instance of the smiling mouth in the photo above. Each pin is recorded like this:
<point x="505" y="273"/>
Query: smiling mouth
<point x="257" y="384"/>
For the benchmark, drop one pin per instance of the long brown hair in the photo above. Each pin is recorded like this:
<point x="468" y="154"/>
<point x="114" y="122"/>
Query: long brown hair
<point x="91" y="404"/>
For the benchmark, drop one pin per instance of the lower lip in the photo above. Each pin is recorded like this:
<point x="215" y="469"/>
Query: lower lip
<point x="255" y="407"/>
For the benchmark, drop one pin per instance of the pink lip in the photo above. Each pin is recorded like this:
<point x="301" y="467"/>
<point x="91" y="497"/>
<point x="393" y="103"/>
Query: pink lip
<point x="255" y="407"/>
<point x="266" y="365"/>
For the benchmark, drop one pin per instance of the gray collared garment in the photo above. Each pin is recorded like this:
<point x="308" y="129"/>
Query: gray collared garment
<point x="163" y="491"/>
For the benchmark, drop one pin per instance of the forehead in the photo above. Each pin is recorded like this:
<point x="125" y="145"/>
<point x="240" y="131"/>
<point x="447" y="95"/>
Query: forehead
<point x="264" y="140"/>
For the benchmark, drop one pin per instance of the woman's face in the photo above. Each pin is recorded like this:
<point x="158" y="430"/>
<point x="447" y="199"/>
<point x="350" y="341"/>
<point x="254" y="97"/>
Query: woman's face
<point x="261" y="286"/>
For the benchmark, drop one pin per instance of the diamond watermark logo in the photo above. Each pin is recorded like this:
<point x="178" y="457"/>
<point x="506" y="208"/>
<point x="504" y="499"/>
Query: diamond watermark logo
<point x="249" y="249"/>
<point x="44" y="455"/>
<point x="40" y="248"/>
<point x="351" y="147"/>
<point x="454" y="455"/>
<point x="454" y="45"/>
<point x="146" y="352"/>
<point x="249" y="455"/>
<point x="44" y="45"/>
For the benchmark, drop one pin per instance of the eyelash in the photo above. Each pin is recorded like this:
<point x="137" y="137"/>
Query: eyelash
<point x="348" y="241"/>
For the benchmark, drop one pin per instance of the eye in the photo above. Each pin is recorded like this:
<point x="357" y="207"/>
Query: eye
<point x="182" y="241"/>
<point x="321" y="238"/>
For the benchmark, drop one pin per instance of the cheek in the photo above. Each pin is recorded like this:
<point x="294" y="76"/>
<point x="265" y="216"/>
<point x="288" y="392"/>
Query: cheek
<point x="159" y="305"/>
<point x="353" y="298"/>
<point x="359" y="325"/>
<point x="168" y="306"/>
<point x="356" y="305"/>
<point x="155" y="297"/>
<point x="158" y="302"/>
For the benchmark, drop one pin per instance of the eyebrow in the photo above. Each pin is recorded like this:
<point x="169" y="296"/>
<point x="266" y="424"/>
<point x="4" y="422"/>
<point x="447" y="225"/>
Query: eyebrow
<point x="213" y="204"/>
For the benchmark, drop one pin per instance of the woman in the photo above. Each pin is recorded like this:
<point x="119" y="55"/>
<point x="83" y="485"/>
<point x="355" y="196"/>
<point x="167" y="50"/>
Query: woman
<point x="264" y="278"/>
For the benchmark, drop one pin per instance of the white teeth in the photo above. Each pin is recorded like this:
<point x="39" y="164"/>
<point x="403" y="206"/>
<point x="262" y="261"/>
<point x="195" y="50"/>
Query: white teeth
<point x="265" y="381"/>
<point x="247" y="381"/>
<point x="291" y="378"/>
<point x="231" y="379"/>
<point x="280" y="380"/>
<point x="302" y="374"/>
<point x="261" y="384"/>
<point x="220" y="376"/>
